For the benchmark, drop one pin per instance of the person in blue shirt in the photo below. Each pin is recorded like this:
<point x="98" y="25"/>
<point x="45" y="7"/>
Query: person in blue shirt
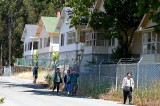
<point x="73" y="78"/>
<point x="35" y="74"/>
<point x="67" y="82"/>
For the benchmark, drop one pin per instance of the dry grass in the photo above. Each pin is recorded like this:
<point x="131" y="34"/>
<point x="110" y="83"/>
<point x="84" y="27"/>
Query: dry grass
<point x="29" y="75"/>
<point x="146" y="97"/>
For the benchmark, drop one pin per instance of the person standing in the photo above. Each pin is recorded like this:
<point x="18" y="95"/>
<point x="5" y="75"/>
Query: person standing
<point x="128" y="86"/>
<point x="73" y="78"/>
<point x="57" y="80"/>
<point x="67" y="82"/>
<point x="35" y="74"/>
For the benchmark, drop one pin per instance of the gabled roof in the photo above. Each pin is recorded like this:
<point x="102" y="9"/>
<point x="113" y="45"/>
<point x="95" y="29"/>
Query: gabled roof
<point x="144" y="21"/>
<point x="97" y="6"/>
<point x="68" y="12"/>
<point x="31" y="30"/>
<point x="49" y="23"/>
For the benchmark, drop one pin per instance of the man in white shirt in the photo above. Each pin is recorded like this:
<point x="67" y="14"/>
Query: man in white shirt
<point x="128" y="86"/>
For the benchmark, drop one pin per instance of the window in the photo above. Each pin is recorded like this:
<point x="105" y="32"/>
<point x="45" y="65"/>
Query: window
<point x="111" y="42"/>
<point x="95" y="39"/>
<point x="40" y="42"/>
<point x="48" y="42"/>
<point x="149" y="42"/>
<point x="62" y="39"/>
<point x="35" y="45"/>
<point x="30" y="46"/>
<point x="44" y="44"/>
<point x="71" y="38"/>
<point x="55" y="40"/>
<point x="25" y="46"/>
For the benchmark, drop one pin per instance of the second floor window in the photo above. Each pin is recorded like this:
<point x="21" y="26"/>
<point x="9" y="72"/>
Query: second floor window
<point x="30" y="46"/>
<point x="48" y="42"/>
<point x="62" y="39"/>
<point x="35" y="45"/>
<point x="40" y="42"/>
<point x="71" y="38"/>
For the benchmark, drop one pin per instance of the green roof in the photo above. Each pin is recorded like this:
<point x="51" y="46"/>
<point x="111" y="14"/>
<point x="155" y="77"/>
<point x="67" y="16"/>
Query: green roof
<point x="50" y="23"/>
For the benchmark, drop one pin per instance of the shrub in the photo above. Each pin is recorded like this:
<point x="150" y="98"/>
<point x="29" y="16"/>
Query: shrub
<point x="2" y="100"/>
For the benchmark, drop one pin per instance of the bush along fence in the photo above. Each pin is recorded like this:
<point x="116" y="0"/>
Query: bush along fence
<point x="103" y="76"/>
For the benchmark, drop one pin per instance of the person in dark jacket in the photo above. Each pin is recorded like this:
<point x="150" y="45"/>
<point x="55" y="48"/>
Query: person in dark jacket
<point x="67" y="82"/>
<point x="35" y="74"/>
<point x="57" y="80"/>
<point x="73" y="78"/>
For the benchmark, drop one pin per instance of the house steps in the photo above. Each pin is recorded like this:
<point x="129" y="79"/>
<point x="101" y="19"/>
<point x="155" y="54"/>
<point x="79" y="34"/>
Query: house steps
<point x="150" y="58"/>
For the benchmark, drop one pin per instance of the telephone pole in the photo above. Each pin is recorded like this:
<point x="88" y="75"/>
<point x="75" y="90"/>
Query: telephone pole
<point x="9" y="38"/>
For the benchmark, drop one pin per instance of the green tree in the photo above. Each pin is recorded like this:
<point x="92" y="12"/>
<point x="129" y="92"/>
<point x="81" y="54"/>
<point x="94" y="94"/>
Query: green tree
<point x="118" y="21"/>
<point x="81" y="11"/>
<point x="35" y="56"/>
<point x="22" y="12"/>
<point x="55" y="56"/>
<point x="146" y="6"/>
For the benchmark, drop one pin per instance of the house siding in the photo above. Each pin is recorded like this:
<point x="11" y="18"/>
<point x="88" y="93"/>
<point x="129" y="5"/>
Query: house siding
<point x="136" y="46"/>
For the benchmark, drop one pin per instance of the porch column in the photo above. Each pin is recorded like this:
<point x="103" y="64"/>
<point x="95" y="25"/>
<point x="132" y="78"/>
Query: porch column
<point x="32" y="49"/>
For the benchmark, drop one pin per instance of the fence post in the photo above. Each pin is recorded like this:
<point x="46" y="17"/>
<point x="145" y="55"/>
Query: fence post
<point x="100" y="72"/>
<point x="138" y="71"/>
<point x="137" y="74"/>
<point x="116" y="77"/>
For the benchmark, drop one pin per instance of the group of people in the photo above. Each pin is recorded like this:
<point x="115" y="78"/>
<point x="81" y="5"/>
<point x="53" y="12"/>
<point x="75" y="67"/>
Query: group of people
<point x="71" y="85"/>
<point x="70" y="81"/>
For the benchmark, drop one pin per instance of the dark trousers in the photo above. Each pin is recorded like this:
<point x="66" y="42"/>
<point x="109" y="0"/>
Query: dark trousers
<point x="56" y="84"/>
<point x="127" y="94"/>
<point x="74" y="87"/>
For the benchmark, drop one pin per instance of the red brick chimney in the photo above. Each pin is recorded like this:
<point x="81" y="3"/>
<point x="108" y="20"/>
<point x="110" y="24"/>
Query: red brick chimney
<point x="58" y="14"/>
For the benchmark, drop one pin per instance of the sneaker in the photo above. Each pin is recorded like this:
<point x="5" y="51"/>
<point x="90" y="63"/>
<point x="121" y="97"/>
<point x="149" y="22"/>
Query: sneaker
<point x="130" y="103"/>
<point x="68" y="93"/>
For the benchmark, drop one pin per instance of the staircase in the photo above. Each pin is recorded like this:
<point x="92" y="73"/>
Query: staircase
<point x="150" y="58"/>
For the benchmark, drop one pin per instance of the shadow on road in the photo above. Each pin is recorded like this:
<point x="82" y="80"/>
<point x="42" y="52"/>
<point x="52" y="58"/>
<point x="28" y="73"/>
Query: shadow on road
<point x="41" y="90"/>
<point x="33" y="86"/>
<point x="51" y="93"/>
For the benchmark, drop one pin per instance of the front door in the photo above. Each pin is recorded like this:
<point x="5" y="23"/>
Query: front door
<point x="149" y="43"/>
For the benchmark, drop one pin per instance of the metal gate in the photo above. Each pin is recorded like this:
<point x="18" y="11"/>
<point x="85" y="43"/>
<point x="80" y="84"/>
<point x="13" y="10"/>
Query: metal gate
<point x="7" y="71"/>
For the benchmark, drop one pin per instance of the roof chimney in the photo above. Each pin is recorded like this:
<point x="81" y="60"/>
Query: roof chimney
<point x="58" y="14"/>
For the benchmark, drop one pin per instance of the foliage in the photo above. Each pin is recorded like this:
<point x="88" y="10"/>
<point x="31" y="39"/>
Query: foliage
<point x="151" y="6"/>
<point x="57" y="4"/>
<point x="22" y="12"/>
<point x="119" y="20"/>
<point x="81" y="11"/>
<point x="150" y="96"/>
<point x="35" y="56"/>
<point x="119" y="52"/>
<point x="49" y="79"/>
<point x="55" y="55"/>
<point x="2" y="100"/>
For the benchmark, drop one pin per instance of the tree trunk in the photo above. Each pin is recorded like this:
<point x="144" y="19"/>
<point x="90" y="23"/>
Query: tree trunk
<point x="0" y="56"/>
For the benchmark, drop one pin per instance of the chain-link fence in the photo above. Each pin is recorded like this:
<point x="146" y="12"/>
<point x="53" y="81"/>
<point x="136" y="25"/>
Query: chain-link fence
<point x="106" y="75"/>
<point x="144" y="75"/>
<point x="48" y="63"/>
<point x="94" y="77"/>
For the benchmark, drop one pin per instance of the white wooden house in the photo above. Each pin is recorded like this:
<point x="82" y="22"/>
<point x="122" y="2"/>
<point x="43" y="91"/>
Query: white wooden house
<point x="47" y="36"/>
<point x="150" y="41"/>
<point x="71" y="40"/>
<point x="30" y="41"/>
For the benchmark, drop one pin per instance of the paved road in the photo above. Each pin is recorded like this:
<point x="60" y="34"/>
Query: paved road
<point x="20" y="92"/>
